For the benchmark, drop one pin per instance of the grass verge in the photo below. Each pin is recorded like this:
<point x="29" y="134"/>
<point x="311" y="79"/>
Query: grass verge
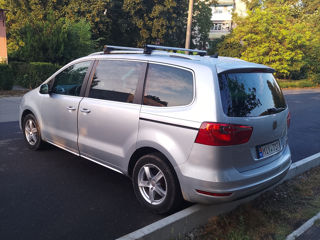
<point x="272" y="216"/>
<point x="305" y="83"/>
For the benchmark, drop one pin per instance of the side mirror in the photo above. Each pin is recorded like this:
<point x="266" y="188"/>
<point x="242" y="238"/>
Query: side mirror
<point x="44" y="89"/>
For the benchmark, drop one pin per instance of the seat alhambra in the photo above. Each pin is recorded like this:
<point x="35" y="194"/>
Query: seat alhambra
<point x="201" y="128"/>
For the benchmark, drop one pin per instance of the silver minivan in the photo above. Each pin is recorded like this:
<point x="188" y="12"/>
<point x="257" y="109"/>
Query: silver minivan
<point x="200" y="128"/>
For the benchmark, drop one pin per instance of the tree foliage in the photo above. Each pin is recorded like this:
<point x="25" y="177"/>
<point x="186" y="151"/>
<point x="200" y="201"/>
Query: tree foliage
<point x="57" y="41"/>
<point x="201" y="22"/>
<point x="155" y="20"/>
<point x="60" y="30"/>
<point x="283" y="34"/>
<point x="37" y="32"/>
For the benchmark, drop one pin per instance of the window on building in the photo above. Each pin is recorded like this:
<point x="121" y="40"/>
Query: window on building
<point x="217" y="27"/>
<point x="220" y="27"/>
<point x="218" y="11"/>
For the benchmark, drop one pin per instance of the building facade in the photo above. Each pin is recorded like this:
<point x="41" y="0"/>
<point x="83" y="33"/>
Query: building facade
<point x="3" y="38"/>
<point x="222" y="16"/>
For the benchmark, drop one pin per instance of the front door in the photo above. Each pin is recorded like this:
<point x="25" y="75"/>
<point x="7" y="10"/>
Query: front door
<point x="60" y="107"/>
<point x="109" y="115"/>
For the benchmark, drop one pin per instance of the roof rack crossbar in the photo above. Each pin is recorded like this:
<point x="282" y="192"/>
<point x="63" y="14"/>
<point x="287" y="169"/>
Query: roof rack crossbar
<point x="109" y="48"/>
<point x="148" y="49"/>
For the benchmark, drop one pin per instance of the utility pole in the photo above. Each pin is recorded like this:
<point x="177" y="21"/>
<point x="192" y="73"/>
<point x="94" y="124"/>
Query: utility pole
<point x="188" y="35"/>
<point x="3" y="38"/>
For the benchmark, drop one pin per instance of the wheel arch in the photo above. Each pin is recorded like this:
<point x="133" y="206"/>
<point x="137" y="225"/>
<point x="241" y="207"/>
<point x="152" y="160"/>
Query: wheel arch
<point x="25" y="113"/>
<point x="144" y="151"/>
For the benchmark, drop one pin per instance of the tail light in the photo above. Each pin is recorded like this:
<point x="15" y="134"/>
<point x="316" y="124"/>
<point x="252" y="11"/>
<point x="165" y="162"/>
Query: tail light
<point x="222" y="134"/>
<point x="288" y="119"/>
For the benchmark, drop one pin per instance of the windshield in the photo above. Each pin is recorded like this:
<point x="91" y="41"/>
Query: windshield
<point x="250" y="94"/>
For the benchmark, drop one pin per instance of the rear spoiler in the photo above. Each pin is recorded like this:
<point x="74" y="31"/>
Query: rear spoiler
<point x="242" y="67"/>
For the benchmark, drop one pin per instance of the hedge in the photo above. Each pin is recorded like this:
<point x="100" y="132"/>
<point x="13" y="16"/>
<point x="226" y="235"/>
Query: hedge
<point x="31" y="75"/>
<point x="6" y="77"/>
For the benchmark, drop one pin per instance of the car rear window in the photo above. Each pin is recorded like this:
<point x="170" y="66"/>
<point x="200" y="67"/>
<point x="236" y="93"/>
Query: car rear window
<point x="250" y="94"/>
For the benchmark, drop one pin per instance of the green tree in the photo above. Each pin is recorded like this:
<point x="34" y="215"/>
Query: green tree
<point x="153" y="19"/>
<point x="123" y="31"/>
<point x="39" y="31"/>
<point x="272" y="36"/>
<point x="57" y="41"/>
<point x="201" y="23"/>
<point x="96" y="12"/>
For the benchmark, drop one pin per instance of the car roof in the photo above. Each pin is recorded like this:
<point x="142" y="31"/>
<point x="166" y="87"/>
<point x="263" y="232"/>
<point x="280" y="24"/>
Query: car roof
<point x="222" y="64"/>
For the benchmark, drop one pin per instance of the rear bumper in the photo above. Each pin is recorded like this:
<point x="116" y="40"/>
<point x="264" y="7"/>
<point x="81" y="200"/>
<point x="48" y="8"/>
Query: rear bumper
<point x="232" y="181"/>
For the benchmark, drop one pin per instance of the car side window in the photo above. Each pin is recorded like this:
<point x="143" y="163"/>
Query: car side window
<point x="168" y="86"/>
<point x="116" y="80"/>
<point x="69" y="81"/>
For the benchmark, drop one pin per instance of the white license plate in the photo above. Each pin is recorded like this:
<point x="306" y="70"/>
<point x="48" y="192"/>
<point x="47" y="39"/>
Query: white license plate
<point x="268" y="149"/>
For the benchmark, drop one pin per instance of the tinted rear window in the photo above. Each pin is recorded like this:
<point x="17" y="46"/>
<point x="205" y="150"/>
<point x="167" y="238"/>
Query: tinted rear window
<point x="250" y="94"/>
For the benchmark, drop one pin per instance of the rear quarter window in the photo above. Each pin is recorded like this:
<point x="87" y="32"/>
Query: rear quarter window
<point x="168" y="86"/>
<point x="250" y="94"/>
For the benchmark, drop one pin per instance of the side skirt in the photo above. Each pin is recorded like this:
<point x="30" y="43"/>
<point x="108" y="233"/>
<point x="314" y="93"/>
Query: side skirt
<point x="90" y="159"/>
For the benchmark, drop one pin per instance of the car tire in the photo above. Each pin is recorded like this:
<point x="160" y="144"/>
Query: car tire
<point x="156" y="185"/>
<point x="31" y="132"/>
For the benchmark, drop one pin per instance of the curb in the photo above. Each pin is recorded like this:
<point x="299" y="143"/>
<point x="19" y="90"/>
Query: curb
<point x="180" y="223"/>
<point x="303" y="165"/>
<point x="303" y="228"/>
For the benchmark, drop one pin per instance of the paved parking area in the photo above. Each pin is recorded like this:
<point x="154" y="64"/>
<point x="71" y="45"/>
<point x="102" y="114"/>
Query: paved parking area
<point x="9" y="109"/>
<point x="52" y="194"/>
<point x="304" y="137"/>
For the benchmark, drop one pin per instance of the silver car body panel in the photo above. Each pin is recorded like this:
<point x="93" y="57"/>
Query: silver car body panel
<point x="108" y="133"/>
<point x="230" y="64"/>
<point x="113" y="131"/>
<point x="59" y="116"/>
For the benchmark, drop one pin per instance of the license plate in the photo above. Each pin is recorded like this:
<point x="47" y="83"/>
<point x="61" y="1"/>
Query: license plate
<point x="268" y="149"/>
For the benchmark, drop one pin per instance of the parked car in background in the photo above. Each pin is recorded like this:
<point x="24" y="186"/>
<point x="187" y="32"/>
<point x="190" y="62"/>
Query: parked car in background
<point x="194" y="127"/>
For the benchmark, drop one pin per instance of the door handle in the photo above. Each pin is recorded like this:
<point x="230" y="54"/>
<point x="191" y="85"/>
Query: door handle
<point x="85" y="110"/>
<point x="70" y="108"/>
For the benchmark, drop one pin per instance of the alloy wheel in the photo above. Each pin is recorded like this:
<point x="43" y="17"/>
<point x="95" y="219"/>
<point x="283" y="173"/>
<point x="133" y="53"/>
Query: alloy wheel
<point x="31" y="132"/>
<point x="152" y="184"/>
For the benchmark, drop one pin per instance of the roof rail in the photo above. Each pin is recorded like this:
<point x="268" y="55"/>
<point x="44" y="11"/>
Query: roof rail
<point x="216" y="55"/>
<point x="149" y="48"/>
<point x="108" y="48"/>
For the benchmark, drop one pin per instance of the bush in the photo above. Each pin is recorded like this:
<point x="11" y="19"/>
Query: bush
<point x="31" y="75"/>
<point x="6" y="77"/>
<point x="315" y="78"/>
<point x="54" y="40"/>
<point x="304" y="83"/>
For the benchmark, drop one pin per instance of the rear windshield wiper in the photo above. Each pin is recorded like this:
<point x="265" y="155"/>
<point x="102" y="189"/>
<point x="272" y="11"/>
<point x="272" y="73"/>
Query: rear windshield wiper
<point x="272" y="110"/>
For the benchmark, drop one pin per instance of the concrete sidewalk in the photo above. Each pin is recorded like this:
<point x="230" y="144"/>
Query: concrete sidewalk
<point x="9" y="109"/>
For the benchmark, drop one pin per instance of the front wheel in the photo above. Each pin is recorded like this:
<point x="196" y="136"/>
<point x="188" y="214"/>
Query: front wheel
<point x="31" y="132"/>
<point x="156" y="185"/>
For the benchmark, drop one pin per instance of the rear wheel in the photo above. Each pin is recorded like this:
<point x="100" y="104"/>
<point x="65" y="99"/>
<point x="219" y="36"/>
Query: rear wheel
<point x="156" y="185"/>
<point x="31" y="132"/>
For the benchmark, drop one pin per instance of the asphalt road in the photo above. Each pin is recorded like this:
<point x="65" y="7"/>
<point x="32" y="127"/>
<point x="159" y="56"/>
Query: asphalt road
<point x="52" y="194"/>
<point x="304" y="133"/>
